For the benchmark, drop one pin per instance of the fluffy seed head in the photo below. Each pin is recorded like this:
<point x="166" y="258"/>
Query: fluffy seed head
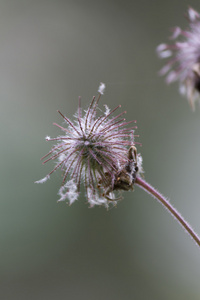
<point x="184" y="62"/>
<point x="93" y="150"/>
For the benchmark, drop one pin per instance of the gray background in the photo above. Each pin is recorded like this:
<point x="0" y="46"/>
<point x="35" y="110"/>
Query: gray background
<point x="50" y="53"/>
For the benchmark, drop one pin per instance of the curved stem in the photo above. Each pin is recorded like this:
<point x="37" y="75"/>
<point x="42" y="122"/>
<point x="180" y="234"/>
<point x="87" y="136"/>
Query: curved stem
<point x="160" y="198"/>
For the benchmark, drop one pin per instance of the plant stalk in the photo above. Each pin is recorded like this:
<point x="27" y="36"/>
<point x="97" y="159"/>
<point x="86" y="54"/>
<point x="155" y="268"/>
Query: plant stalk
<point x="160" y="198"/>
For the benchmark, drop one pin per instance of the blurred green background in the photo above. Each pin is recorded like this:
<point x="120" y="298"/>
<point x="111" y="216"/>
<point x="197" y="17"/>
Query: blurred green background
<point x="50" y="53"/>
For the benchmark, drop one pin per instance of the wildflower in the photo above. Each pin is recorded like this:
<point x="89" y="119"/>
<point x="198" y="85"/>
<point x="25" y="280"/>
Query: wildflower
<point x="184" y="65"/>
<point x="94" y="150"/>
<point x="100" y="152"/>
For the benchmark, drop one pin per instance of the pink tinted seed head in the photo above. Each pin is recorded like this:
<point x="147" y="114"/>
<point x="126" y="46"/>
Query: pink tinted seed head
<point x="93" y="150"/>
<point x="184" y="58"/>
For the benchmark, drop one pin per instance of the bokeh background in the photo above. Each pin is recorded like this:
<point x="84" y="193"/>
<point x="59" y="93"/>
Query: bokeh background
<point x="50" y="53"/>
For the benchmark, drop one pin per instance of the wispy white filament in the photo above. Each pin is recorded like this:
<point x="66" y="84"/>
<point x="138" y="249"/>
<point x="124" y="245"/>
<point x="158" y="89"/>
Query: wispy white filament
<point x="101" y="89"/>
<point x="43" y="179"/>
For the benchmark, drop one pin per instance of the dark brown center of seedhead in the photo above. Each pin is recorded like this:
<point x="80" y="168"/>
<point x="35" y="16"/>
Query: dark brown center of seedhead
<point x="197" y="83"/>
<point x="123" y="182"/>
<point x="196" y="70"/>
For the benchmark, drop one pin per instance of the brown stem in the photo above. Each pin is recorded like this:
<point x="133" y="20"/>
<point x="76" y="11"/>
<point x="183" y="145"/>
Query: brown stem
<point x="154" y="193"/>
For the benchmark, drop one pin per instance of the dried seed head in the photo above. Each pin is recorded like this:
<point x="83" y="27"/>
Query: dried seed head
<point x="184" y="62"/>
<point x="93" y="150"/>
